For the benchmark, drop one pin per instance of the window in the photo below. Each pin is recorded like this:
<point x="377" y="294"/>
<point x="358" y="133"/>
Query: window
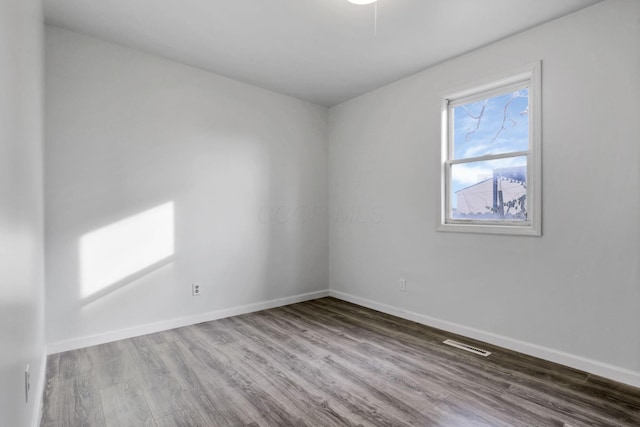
<point x="491" y="156"/>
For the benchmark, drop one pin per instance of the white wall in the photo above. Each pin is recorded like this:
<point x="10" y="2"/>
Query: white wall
<point x="246" y="173"/>
<point x="22" y="339"/>
<point x="245" y="170"/>
<point x="572" y="295"/>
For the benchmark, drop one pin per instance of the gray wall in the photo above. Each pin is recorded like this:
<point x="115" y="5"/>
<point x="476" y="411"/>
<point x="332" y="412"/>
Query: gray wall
<point x="245" y="170"/>
<point x="573" y="294"/>
<point x="22" y="339"/>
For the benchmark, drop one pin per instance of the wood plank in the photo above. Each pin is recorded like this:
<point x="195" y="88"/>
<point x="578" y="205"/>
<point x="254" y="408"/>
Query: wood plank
<point x="184" y="418"/>
<point x="73" y="402"/>
<point x="113" y="363"/>
<point x="163" y="393"/>
<point x="324" y="362"/>
<point x="210" y="396"/>
<point x="124" y="405"/>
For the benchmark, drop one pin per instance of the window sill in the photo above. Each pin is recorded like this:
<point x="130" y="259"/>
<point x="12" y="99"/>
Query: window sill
<point x="516" y="230"/>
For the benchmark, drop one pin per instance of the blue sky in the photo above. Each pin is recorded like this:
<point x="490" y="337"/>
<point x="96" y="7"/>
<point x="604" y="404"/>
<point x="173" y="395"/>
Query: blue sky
<point x="492" y="126"/>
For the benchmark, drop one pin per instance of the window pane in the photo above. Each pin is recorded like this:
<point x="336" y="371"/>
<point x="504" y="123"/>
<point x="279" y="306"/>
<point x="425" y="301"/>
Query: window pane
<point x="492" y="126"/>
<point x="490" y="190"/>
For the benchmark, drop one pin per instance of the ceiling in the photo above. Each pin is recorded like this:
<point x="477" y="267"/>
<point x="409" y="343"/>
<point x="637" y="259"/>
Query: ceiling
<point x="323" y="51"/>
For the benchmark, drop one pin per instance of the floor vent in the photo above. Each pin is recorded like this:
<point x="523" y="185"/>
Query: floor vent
<point x="467" y="347"/>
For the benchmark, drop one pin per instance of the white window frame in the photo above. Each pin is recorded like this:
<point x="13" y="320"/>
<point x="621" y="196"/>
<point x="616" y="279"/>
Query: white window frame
<point x="530" y="76"/>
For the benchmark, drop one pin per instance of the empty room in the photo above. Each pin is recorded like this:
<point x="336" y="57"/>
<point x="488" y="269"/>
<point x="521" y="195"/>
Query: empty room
<point x="319" y="213"/>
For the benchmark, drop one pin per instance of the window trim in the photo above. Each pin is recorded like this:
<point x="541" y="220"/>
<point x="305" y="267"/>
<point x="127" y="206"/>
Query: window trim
<point x="485" y="88"/>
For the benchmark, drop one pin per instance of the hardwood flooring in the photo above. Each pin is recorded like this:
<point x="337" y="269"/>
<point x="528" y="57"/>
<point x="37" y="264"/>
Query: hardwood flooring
<point x="321" y="363"/>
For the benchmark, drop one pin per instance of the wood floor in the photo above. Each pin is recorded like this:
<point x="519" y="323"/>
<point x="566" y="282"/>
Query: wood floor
<point x="321" y="363"/>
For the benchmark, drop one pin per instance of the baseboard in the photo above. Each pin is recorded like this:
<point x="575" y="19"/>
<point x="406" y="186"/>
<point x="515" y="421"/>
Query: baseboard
<point x="584" y="364"/>
<point x="587" y="365"/>
<point x="87" y="341"/>
<point x="38" y="393"/>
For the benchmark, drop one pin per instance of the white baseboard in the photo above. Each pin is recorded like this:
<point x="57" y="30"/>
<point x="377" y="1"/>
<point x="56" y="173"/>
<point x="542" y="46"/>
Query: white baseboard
<point x="135" y="331"/>
<point x="38" y="393"/>
<point x="587" y="365"/>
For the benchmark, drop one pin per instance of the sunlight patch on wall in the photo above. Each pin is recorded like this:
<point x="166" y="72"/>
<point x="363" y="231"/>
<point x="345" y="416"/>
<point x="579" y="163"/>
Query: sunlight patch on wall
<point x="117" y="251"/>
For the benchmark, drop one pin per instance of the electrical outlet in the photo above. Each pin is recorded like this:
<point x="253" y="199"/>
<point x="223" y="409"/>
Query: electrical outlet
<point x="195" y="289"/>
<point x="27" y="384"/>
<point x="403" y="285"/>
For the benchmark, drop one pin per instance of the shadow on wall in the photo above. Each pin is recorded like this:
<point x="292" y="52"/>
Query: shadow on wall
<point x="114" y="256"/>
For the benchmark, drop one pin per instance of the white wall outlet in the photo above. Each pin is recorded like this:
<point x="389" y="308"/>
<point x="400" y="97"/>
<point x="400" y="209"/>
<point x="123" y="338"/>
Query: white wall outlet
<point x="27" y="384"/>
<point x="403" y="285"/>
<point x="195" y="289"/>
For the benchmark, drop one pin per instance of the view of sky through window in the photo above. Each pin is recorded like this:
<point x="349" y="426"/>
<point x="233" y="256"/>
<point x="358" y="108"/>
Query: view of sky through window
<point x="489" y="126"/>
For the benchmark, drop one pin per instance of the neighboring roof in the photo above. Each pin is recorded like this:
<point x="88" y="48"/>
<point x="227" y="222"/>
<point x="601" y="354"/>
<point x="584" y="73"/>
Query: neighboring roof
<point x="479" y="197"/>
<point x="474" y="185"/>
